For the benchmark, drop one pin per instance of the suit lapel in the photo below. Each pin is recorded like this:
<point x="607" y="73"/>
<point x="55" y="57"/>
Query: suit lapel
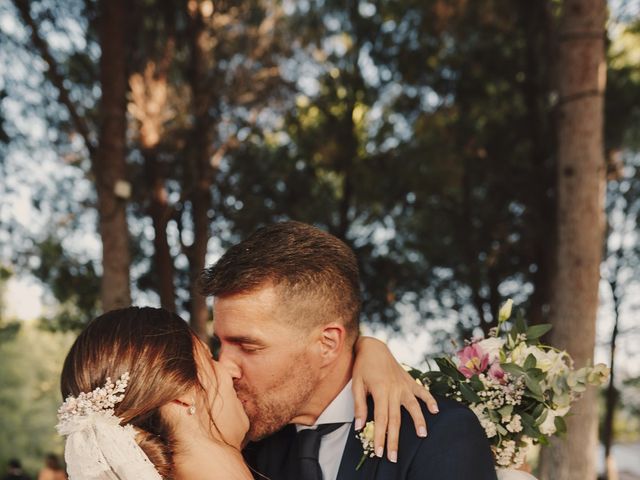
<point x="353" y="453"/>
<point x="369" y="468"/>
<point x="350" y="457"/>
<point x="272" y="454"/>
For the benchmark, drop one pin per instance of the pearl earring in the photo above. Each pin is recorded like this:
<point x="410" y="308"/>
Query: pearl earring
<point x="192" y="410"/>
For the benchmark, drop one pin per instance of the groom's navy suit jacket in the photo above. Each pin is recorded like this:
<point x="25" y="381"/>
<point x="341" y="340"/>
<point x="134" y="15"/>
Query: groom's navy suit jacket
<point x="455" y="449"/>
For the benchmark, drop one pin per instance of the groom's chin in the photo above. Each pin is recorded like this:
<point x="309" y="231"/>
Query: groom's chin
<point x="259" y="430"/>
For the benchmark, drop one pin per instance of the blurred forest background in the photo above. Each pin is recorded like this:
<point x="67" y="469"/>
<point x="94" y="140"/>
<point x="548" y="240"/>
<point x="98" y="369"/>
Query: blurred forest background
<point x="469" y="151"/>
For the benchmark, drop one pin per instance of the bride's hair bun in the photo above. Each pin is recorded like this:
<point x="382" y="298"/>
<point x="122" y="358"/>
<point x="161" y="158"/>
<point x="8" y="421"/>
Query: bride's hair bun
<point x="156" y="348"/>
<point x="158" y="450"/>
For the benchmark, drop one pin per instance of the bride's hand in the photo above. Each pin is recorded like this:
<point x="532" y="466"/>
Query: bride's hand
<point x="376" y="372"/>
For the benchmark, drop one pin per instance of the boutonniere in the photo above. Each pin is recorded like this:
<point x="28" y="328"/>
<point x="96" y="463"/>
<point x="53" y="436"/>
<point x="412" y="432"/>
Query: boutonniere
<point x="366" y="438"/>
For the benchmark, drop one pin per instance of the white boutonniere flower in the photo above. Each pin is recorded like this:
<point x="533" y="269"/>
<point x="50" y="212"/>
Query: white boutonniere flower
<point x="366" y="438"/>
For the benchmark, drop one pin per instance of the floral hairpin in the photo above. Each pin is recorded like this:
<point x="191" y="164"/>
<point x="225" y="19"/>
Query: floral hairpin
<point x="101" y="400"/>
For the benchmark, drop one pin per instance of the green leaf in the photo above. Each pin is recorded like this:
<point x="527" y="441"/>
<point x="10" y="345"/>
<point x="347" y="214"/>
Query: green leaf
<point x="438" y="382"/>
<point x="513" y="369"/>
<point x="476" y="383"/>
<point x="561" y="426"/>
<point x="529" y="425"/>
<point x="529" y="431"/>
<point x="415" y="373"/>
<point x="530" y="362"/>
<point x="540" y="418"/>
<point x="506" y="411"/>
<point x="536" y="374"/>
<point x="526" y="418"/>
<point x="494" y="416"/>
<point x="501" y="430"/>
<point x="433" y="377"/>
<point x="538" y="411"/>
<point x="468" y="394"/>
<point x="447" y="367"/>
<point x="520" y="325"/>
<point x="443" y="389"/>
<point x="537" y="331"/>
<point x="534" y="387"/>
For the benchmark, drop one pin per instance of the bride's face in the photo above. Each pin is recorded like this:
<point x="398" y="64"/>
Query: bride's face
<point x="222" y="402"/>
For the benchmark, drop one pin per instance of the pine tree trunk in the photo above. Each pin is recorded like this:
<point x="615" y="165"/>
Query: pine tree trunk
<point x="538" y="24"/>
<point x="160" y="212"/>
<point x="199" y="180"/>
<point x="200" y="201"/>
<point x="580" y="215"/>
<point x="110" y="159"/>
<point x="611" y="398"/>
<point x="149" y="106"/>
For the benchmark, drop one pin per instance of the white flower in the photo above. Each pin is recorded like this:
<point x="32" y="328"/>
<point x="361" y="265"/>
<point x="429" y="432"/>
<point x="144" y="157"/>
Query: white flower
<point x="505" y="452"/>
<point x="505" y="311"/>
<point x="366" y="437"/>
<point x="367" y="434"/>
<point x="550" y="361"/>
<point x="515" y="425"/>
<point x="519" y="354"/>
<point x="492" y="346"/>
<point x="490" y="428"/>
<point x="599" y="374"/>
<point x="548" y="427"/>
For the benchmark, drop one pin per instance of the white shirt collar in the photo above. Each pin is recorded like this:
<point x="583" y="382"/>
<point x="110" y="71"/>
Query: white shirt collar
<point x="340" y="410"/>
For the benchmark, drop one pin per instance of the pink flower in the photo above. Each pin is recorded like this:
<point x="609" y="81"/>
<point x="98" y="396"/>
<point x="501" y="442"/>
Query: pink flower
<point x="497" y="373"/>
<point x="472" y="360"/>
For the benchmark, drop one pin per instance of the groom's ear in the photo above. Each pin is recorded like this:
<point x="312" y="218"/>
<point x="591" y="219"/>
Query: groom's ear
<point x="332" y="341"/>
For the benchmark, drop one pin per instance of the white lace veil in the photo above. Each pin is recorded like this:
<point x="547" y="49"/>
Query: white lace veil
<point x="97" y="446"/>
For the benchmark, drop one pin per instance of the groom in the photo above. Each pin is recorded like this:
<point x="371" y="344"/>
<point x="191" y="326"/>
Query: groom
<point x="286" y="308"/>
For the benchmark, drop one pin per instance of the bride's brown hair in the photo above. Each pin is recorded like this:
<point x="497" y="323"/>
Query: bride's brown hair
<point x="156" y="347"/>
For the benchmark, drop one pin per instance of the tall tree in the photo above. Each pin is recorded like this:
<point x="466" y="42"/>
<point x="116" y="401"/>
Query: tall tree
<point x="199" y="174"/>
<point x="110" y="167"/>
<point x="150" y="106"/>
<point x="581" y="73"/>
<point x="194" y="101"/>
<point x="108" y="154"/>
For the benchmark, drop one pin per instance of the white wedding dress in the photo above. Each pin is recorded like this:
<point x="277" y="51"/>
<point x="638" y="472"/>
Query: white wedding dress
<point x="510" y="474"/>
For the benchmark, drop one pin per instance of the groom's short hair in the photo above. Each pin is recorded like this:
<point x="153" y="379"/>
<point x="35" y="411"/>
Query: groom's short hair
<point x="302" y="262"/>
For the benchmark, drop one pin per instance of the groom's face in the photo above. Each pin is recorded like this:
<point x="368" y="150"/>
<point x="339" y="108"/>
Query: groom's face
<point x="273" y="362"/>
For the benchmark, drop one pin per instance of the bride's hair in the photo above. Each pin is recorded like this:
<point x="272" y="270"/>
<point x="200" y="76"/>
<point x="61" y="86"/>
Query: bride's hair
<point x="156" y="347"/>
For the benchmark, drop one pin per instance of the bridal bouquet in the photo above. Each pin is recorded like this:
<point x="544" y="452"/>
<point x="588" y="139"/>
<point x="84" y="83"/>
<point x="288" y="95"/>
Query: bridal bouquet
<point x="519" y="389"/>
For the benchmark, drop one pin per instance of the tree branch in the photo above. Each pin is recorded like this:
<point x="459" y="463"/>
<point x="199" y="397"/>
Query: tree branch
<point x="54" y="76"/>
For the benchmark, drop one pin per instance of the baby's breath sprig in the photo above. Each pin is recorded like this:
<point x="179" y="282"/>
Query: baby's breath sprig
<point x="366" y="437"/>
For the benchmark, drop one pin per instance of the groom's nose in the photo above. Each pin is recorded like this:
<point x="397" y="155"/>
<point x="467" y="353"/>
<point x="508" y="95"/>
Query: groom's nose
<point x="230" y="365"/>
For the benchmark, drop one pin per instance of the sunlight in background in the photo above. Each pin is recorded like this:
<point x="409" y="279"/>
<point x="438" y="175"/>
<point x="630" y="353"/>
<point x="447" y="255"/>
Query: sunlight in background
<point x="23" y="299"/>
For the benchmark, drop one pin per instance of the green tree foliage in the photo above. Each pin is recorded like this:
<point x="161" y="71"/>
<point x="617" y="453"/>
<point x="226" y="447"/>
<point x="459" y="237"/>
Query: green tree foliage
<point x="423" y="138"/>
<point x="421" y="132"/>
<point x="30" y="394"/>
<point x="74" y="284"/>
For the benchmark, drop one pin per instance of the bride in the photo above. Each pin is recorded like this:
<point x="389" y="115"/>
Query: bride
<point x="145" y="400"/>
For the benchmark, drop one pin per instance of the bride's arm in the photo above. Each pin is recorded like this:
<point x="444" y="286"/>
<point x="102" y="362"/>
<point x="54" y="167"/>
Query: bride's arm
<point x="377" y="373"/>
